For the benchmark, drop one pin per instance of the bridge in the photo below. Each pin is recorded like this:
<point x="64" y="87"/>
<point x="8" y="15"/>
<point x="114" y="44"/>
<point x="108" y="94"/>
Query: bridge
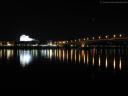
<point x="98" y="40"/>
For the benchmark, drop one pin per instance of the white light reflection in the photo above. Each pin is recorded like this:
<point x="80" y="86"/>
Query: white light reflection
<point x="25" y="58"/>
<point x="71" y="54"/>
<point x="83" y="56"/>
<point x="114" y="64"/>
<point x="43" y="53"/>
<point x="79" y="57"/>
<point x="106" y="62"/>
<point x="9" y="54"/>
<point x="93" y="58"/>
<point x="75" y="56"/>
<point x="99" y="61"/>
<point x="63" y="55"/>
<point x="55" y="53"/>
<point x="50" y="54"/>
<point x="60" y="55"/>
<point x="120" y="64"/>
<point x="35" y="53"/>
<point x="0" y="53"/>
<point x="87" y="57"/>
<point x="67" y="55"/>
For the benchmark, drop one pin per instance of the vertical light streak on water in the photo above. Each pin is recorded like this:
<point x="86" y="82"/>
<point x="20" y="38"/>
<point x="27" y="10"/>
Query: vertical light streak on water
<point x="99" y="61"/>
<point x="75" y="56"/>
<point x="120" y="64"/>
<point x="87" y="57"/>
<point x="71" y="54"/>
<point x="114" y="63"/>
<point x="106" y="62"/>
<point x="63" y="55"/>
<point x="67" y="56"/>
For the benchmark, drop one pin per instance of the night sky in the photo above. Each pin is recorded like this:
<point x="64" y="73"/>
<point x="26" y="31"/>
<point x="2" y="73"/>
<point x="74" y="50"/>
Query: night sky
<point x="61" y="20"/>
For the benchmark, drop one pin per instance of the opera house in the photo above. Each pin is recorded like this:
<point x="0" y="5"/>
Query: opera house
<point x="25" y="40"/>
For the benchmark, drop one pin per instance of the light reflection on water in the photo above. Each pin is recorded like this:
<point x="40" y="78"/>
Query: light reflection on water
<point x="106" y="63"/>
<point x="25" y="57"/>
<point x="120" y="64"/>
<point x="99" y="61"/>
<point x="115" y="59"/>
<point x="6" y="53"/>
<point x="95" y="57"/>
<point x="114" y="63"/>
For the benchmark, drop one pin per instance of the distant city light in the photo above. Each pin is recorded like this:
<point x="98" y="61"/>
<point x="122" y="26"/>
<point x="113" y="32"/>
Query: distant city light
<point x="84" y="39"/>
<point x="35" y="45"/>
<point x="50" y="43"/>
<point x="120" y="35"/>
<point x="99" y="37"/>
<point x="93" y="38"/>
<point x="25" y="38"/>
<point x="60" y="42"/>
<point x="64" y="42"/>
<point x="114" y="36"/>
<point x="83" y="45"/>
<point x="106" y="36"/>
<point x="71" y="45"/>
<point x="8" y="44"/>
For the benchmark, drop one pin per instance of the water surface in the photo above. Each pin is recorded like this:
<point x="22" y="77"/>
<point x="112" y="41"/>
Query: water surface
<point x="96" y="63"/>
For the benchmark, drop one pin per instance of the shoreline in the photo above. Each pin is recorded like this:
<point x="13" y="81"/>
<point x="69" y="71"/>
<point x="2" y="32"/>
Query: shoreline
<point x="78" y="48"/>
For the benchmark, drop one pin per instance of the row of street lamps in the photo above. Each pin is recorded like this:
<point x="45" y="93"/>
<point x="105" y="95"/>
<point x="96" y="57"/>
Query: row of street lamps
<point x="99" y="37"/>
<point x="84" y="39"/>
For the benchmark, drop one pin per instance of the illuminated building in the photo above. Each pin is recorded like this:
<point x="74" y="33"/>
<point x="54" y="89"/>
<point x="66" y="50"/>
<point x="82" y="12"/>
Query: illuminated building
<point x="25" y="40"/>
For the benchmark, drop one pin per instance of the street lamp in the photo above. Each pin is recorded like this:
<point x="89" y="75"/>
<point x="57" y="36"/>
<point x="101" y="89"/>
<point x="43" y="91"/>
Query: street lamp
<point x="99" y="37"/>
<point x="63" y="42"/>
<point x="106" y="36"/>
<point x="120" y="35"/>
<point x="114" y="36"/>
<point x="93" y="38"/>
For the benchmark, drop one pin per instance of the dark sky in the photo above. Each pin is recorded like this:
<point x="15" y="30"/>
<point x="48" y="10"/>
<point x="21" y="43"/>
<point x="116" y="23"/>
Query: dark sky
<point x="61" y="20"/>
